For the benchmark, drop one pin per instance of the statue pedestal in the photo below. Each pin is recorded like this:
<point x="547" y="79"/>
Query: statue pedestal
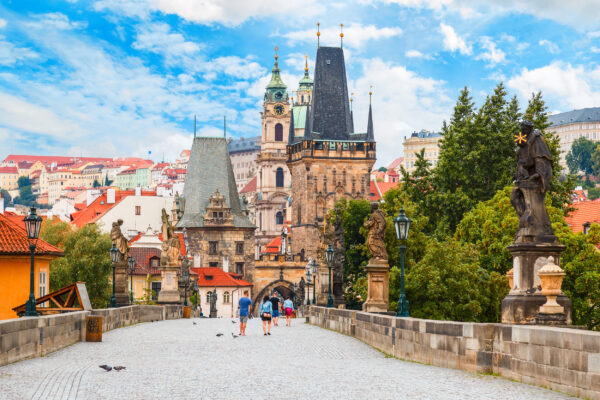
<point x="523" y="302"/>
<point x="378" y="275"/>
<point x="169" y="288"/>
<point x="121" y="284"/>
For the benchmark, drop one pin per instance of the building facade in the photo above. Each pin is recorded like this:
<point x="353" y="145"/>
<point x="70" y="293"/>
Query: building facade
<point x="9" y="177"/>
<point x="243" y="153"/>
<point x="423" y="140"/>
<point x="274" y="179"/>
<point x="217" y="232"/>
<point x="329" y="161"/>
<point x="572" y="125"/>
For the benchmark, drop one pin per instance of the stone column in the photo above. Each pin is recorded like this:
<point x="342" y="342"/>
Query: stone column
<point x="121" y="288"/>
<point x="378" y="275"/>
<point x="169" y="288"/>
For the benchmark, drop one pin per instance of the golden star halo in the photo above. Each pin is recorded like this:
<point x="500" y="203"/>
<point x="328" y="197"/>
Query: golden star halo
<point x="520" y="138"/>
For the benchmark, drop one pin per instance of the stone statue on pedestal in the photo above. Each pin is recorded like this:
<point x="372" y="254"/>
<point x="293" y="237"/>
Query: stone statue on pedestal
<point x="121" y="242"/>
<point x="535" y="241"/>
<point x="169" y="262"/>
<point x="378" y="267"/>
<point x="213" y="304"/>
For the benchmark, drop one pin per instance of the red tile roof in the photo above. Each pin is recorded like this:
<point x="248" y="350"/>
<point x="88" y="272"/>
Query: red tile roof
<point x="250" y="186"/>
<point x="142" y="256"/>
<point x="13" y="240"/>
<point x="274" y="246"/>
<point x="584" y="211"/>
<point x="99" y="207"/>
<point x="51" y="159"/>
<point x="216" y="277"/>
<point x="379" y="189"/>
<point x="396" y="163"/>
<point x="9" y="170"/>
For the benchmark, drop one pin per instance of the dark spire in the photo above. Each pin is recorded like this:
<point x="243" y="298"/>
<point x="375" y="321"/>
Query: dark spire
<point x="291" y="135"/>
<point x="370" y="134"/>
<point x="307" y="123"/>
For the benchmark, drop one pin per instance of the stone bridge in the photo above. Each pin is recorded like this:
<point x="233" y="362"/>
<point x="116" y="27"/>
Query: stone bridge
<point x="184" y="359"/>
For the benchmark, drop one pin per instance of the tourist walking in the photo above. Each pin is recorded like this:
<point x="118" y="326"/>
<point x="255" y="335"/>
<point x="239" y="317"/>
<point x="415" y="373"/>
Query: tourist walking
<point x="266" y="311"/>
<point x="245" y="307"/>
<point x="288" y="308"/>
<point x="275" y="302"/>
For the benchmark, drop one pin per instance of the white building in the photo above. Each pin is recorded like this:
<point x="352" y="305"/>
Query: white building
<point x="230" y="288"/>
<point x="572" y="125"/>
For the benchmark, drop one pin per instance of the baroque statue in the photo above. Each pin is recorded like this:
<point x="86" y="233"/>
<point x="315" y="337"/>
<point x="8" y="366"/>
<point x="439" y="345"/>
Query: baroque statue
<point x="213" y="303"/>
<point x="375" y="240"/>
<point x="532" y="181"/>
<point x="120" y="241"/>
<point x="171" y="246"/>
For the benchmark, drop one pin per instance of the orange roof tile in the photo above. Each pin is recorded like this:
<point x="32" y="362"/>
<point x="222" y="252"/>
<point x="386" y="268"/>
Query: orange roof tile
<point x="584" y="211"/>
<point x="99" y="207"/>
<point x="9" y="170"/>
<point x="14" y="158"/>
<point x="216" y="277"/>
<point x="13" y="240"/>
<point x="396" y="163"/>
<point x="250" y="186"/>
<point x="379" y="189"/>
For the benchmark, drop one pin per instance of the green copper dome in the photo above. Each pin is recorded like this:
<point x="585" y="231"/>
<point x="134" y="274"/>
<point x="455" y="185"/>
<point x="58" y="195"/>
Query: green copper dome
<point x="276" y="89"/>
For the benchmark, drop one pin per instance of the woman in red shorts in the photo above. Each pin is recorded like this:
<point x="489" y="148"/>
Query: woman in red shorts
<point x="288" y="307"/>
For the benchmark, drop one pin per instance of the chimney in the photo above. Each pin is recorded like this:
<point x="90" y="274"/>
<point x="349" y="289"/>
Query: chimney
<point x="110" y="196"/>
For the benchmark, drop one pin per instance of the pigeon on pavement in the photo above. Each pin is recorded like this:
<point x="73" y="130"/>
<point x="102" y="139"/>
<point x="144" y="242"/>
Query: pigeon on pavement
<point x="234" y="321"/>
<point x="219" y="334"/>
<point x="193" y="322"/>
<point x="105" y="367"/>
<point x="118" y="368"/>
<point x="234" y="336"/>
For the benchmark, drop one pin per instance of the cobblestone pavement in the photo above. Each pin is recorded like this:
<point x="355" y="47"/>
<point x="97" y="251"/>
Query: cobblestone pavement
<point x="179" y="360"/>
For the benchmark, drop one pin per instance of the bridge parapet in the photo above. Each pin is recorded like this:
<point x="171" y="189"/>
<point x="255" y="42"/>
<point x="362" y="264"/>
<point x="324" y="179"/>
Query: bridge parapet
<point x="563" y="359"/>
<point x="36" y="336"/>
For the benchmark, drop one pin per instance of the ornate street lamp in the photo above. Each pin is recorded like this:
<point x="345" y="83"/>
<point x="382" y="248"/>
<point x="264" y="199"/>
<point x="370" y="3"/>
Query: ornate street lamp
<point x="402" y="225"/>
<point x="33" y="224"/>
<point x="114" y="258"/>
<point x="308" y="281"/>
<point x="131" y="264"/>
<point x="329" y="256"/>
<point x="314" y="272"/>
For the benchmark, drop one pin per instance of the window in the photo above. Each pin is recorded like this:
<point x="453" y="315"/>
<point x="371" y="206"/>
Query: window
<point x="279" y="218"/>
<point x="155" y="290"/>
<point x="208" y="296"/>
<point x="279" y="177"/>
<point x="42" y="284"/>
<point x="213" y="264"/>
<point x="138" y="210"/>
<point x="212" y="248"/>
<point x="239" y="268"/>
<point x="332" y="145"/>
<point x="154" y="262"/>
<point x="226" y="298"/>
<point x="279" y="133"/>
<point x="239" y="248"/>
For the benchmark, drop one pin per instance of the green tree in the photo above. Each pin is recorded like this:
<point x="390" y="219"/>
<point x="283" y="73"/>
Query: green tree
<point x="96" y="183"/>
<point x="579" y="157"/>
<point x="86" y="259"/>
<point x="596" y="161"/>
<point x="382" y="169"/>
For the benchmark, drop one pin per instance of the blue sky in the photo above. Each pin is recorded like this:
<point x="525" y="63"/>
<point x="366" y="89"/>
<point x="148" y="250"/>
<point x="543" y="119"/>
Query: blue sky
<point x="124" y="77"/>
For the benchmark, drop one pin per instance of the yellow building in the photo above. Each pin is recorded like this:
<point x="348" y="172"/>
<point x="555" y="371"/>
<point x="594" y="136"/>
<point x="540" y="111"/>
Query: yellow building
<point x="572" y="125"/>
<point x="9" y="177"/>
<point x="15" y="265"/>
<point x="415" y="143"/>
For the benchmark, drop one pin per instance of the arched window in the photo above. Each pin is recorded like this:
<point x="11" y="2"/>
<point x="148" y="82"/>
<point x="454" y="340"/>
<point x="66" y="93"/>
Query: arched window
<point x="208" y="296"/>
<point x="226" y="298"/>
<point x="279" y="218"/>
<point x="279" y="177"/>
<point x="279" y="133"/>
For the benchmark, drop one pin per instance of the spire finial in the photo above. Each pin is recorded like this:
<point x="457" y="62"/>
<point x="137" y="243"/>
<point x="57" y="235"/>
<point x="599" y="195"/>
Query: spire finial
<point x="318" y="34"/>
<point x="342" y="36"/>
<point x="276" y="56"/>
<point x="194" y="126"/>
<point x="351" y="100"/>
<point x="306" y="63"/>
<point x="224" y="126"/>
<point x="370" y="93"/>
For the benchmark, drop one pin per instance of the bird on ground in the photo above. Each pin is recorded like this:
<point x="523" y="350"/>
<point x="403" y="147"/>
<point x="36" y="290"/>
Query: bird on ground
<point x="234" y="336"/>
<point x="194" y="323"/>
<point x="118" y="368"/>
<point x="105" y="367"/>
<point x="234" y="321"/>
<point x="219" y="334"/>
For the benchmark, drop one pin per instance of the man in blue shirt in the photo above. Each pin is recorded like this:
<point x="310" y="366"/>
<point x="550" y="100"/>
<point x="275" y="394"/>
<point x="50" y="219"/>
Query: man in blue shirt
<point x="245" y="307"/>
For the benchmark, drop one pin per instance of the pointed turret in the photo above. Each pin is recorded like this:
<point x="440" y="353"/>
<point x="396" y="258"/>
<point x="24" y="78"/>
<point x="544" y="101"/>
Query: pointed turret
<point x="306" y="83"/>
<point x="291" y="134"/>
<point x="370" y="134"/>
<point x="307" y="124"/>
<point x="276" y="89"/>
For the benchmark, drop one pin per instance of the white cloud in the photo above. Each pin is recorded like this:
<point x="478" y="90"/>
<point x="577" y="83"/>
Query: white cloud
<point x="2" y="23"/>
<point x="521" y="47"/>
<point x="158" y="38"/>
<point x="230" y="12"/>
<point x="55" y="20"/>
<point x="453" y="42"/>
<point x="422" y="104"/>
<point x="552" y="47"/>
<point x="11" y="54"/>
<point x="493" y="55"/>
<point x="563" y="84"/>
<point x="594" y="49"/>
<point x="593" y="34"/>
<point x="355" y="35"/>
<point x="414" y="54"/>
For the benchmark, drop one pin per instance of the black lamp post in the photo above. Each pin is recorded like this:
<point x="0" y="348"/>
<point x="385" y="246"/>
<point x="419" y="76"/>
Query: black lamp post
<point x="33" y="224"/>
<point x="402" y="224"/>
<point x="314" y="271"/>
<point x="114" y="258"/>
<point x="131" y="264"/>
<point x="329" y="256"/>
<point x="308" y="281"/>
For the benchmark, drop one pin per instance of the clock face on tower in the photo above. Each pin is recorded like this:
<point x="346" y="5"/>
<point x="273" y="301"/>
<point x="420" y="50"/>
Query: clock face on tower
<point x="278" y="95"/>
<point x="278" y="109"/>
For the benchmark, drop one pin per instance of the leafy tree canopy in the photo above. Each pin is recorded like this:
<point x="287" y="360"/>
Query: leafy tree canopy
<point x="579" y="158"/>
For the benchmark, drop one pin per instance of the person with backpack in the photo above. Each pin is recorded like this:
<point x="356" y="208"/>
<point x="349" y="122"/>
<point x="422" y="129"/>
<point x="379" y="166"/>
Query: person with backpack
<point x="266" y="311"/>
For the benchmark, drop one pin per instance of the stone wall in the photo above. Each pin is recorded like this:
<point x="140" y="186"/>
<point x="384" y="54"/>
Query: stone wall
<point x="567" y="360"/>
<point x="31" y="337"/>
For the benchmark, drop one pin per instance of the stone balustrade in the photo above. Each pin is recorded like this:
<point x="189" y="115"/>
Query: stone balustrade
<point x="36" y="336"/>
<point x="563" y="359"/>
